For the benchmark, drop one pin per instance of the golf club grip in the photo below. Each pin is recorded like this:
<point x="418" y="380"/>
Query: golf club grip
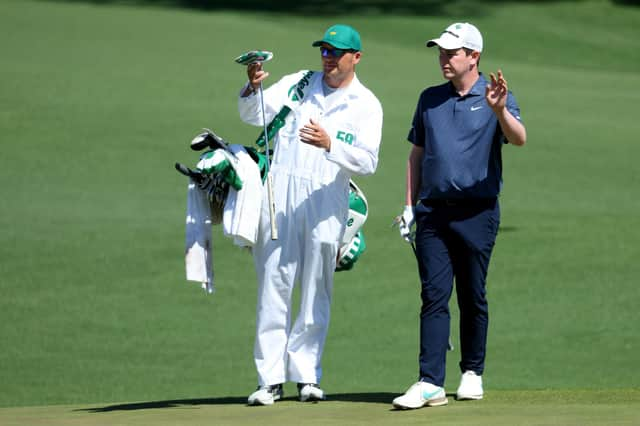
<point x="272" y="208"/>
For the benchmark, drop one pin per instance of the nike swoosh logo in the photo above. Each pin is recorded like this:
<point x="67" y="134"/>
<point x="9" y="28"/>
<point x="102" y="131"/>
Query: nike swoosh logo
<point x="475" y="108"/>
<point x="427" y="395"/>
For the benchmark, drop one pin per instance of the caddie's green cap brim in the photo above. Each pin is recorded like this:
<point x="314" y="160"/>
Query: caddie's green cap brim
<point x="341" y="37"/>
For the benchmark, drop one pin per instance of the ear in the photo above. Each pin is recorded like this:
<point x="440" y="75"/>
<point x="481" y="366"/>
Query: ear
<point x="475" y="57"/>
<point x="356" y="57"/>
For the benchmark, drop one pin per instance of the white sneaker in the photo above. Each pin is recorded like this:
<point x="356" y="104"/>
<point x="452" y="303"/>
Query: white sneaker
<point x="310" y="392"/>
<point x="265" y="395"/>
<point x="421" y="394"/>
<point x="470" y="386"/>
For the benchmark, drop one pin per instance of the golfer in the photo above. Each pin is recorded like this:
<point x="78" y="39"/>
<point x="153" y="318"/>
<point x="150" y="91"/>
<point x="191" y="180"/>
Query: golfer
<point x="454" y="176"/>
<point x="332" y="132"/>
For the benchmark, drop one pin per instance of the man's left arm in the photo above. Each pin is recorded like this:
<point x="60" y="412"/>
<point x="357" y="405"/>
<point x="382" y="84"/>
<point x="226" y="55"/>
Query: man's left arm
<point x="497" y="95"/>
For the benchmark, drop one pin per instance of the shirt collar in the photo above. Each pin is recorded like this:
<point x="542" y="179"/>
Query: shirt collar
<point x="477" y="89"/>
<point x="479" y="86"/>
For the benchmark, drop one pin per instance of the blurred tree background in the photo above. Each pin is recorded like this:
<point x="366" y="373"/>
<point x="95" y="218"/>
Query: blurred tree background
<point x="327" y="7"/>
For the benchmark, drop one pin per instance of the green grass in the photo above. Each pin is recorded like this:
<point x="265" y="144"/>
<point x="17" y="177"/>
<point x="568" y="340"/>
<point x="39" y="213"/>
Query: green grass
<point x="582" y="408"/>
<point x="98" y="101"/>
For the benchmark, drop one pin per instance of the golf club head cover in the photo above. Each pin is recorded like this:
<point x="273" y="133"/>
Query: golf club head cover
<point x="208" y="139"/>
<point x="358" y="212"/>
<point x="253" y="57"/>
<point x="349" y="253"/>
<point x="220" y="162"/>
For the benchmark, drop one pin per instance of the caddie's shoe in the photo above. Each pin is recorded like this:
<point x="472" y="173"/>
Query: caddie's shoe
<point x="310" y="392"/>
<point x="266" y="395"/>
<point x="421" y="394"/>
<point x="470" y="386"/>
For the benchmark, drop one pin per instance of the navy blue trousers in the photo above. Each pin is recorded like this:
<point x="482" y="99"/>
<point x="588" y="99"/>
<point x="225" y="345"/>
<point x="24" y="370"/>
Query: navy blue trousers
<point x="454" y="241"/>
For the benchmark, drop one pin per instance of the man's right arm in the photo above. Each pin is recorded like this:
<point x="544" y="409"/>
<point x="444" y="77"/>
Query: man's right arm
<point x="414" y="168"/>
<point x="249" y="102"/>
<point x="414" y="173"/>
<point x="255" y="75"/>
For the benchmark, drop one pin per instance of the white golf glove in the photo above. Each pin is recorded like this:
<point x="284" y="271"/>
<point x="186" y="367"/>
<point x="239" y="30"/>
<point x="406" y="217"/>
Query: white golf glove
<point x="405" y="223"/>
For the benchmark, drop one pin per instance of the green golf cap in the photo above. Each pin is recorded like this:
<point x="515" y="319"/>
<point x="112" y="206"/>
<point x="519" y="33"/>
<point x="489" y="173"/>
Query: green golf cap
<point x="341" y="37"/>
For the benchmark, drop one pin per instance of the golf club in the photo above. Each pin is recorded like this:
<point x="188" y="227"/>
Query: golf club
<point x="208" y="139"/>
<point x="195" y="175"/>
<point x="249" y="58"/>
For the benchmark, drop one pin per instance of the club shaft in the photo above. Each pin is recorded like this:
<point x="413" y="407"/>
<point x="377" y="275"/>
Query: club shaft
<point x="264" y="123"/>
<point x="272" y="205"/>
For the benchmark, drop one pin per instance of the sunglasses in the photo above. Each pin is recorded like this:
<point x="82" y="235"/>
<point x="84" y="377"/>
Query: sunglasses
<point x="335" y="53"/>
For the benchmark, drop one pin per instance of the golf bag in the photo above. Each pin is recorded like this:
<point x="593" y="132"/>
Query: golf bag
<point x="216" y="171"/>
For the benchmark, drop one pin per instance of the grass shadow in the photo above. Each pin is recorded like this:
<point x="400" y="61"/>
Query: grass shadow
<point x="372" y="397"/>
<point x="173" y="403"/>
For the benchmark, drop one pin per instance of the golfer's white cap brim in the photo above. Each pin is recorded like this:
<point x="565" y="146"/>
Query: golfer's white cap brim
<point x="446" y="41"/>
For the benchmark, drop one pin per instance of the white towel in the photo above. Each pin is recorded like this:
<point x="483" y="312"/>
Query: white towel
<point x="240" y="221"/>
<point x="242" y="208"/>
<point x="198" y="247"/>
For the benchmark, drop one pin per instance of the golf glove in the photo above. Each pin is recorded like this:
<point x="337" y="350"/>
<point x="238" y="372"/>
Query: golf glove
<point x="406" y="222"/>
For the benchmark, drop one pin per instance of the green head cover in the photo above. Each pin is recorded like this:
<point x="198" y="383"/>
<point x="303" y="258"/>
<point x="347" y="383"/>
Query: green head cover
<point x="217" y="162"/>
<point x="253" y="57"/>
<point x="349" y="254"/>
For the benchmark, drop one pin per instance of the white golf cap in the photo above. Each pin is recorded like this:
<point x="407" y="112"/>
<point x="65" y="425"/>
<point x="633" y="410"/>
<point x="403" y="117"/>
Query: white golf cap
<point x="459" y="35"/>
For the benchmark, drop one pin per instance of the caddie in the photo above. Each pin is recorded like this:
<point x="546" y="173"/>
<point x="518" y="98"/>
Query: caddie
<point x="332" y="132"/>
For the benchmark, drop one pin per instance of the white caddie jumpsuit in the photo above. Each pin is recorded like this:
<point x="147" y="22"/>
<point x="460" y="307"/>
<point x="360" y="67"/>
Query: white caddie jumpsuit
<point x="311" y="190"/>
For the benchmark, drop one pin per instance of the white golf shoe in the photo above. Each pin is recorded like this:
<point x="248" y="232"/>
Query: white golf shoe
<point x="265" y="395"/>
<point x="470" y="386"/>
<point x="310" y="392"/>
<point x="421" y="394"/>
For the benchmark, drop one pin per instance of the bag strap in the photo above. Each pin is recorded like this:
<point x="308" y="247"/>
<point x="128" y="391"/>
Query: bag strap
<point x="296" y="93"/>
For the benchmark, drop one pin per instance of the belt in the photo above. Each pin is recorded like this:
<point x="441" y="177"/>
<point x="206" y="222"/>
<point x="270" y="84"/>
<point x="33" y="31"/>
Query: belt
<point x="458" y="202"/>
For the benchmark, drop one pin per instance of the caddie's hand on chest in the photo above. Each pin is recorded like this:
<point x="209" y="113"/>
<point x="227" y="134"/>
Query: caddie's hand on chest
<point x="337" y="123"/>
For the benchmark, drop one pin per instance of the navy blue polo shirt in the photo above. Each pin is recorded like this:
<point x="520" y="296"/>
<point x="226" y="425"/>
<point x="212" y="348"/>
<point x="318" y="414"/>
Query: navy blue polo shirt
<point x="462" y="142"/>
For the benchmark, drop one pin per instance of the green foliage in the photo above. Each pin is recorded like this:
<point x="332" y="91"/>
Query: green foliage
<point x="99" y="101"/>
